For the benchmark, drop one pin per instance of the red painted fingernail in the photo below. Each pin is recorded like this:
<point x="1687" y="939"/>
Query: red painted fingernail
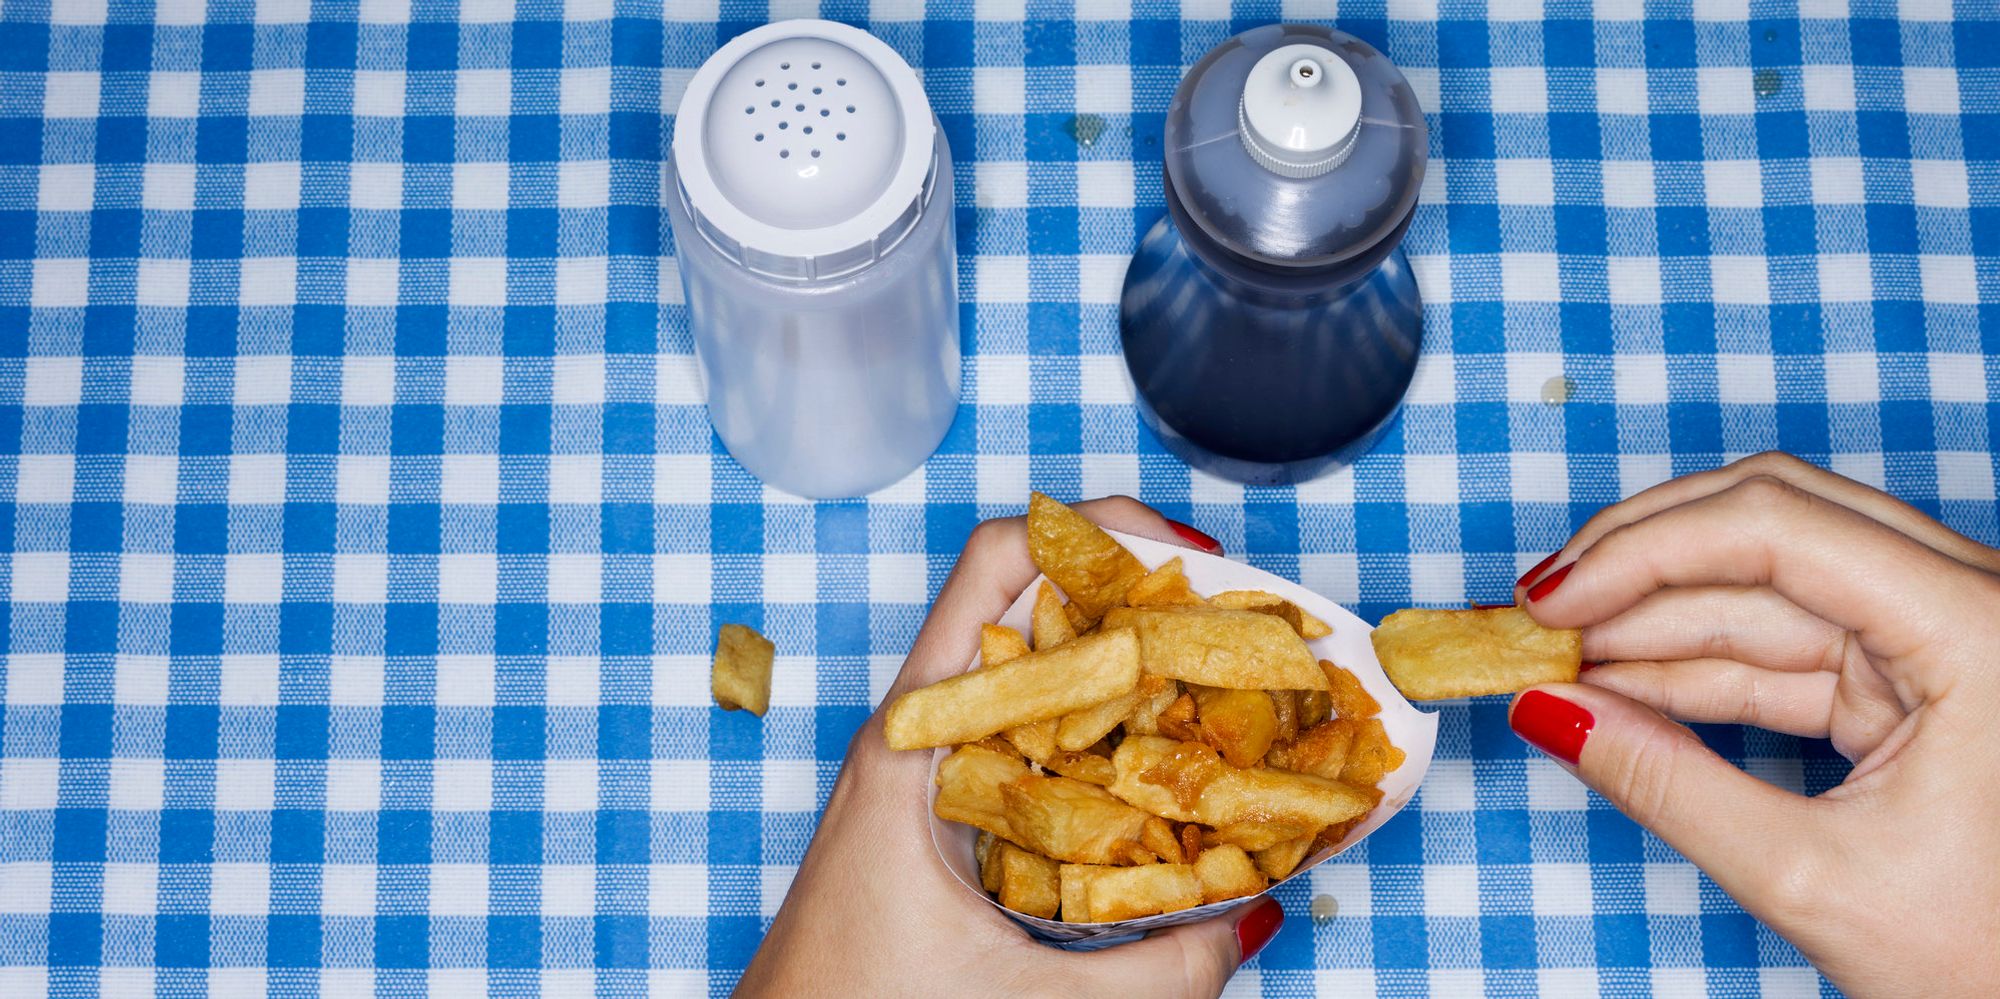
<point x="1540" y="567"/>
<point x="1551" y="724"/>
<point x="1548" y="586"/>
<point x="1587" y="667"/>
<point x="1257" y="928"/>
<point x="1196" y="538"/>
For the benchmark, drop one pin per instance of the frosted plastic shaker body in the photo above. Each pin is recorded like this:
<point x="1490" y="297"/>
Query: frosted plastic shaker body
<point x="810" y="193"/>
<point x="1270" y="322"/>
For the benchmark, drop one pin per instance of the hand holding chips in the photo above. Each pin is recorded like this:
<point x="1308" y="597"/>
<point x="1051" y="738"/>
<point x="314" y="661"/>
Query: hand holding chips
<point x="1130" y="764"/>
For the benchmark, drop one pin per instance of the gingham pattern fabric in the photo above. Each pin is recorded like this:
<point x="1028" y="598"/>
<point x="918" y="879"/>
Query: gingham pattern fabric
<point x="364" y="537"/>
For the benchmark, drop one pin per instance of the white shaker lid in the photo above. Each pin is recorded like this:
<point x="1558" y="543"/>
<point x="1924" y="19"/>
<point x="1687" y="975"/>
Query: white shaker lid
<point x="804" y="149"/>
<point x="1301" y="110"/>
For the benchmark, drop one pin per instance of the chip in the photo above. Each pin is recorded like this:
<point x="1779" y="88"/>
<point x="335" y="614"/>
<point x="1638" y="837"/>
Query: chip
<point x="1372" y="756"/>
<point x="1242" y="650"/>
<point x="1278" y="862"/>
<point x="989" y="869"/>
<point x="1050" y="618"/>
<point x="1350" y="698"/>
<point x="742" y="674"/>
<point x="969" y="782"/>
<point x="1240" y="724"/>
<point x="1038" y="685"/>
<point x="1435" y="654"/>
<point x="999" y="644"/>
<point x="1166" y="586"/>
<point x="1227" y="872"/>
<point x="1189" y="782"/>
<point x="1072" y="821"/>
<point x="1089" y="768"/>
<point x="1320" y="750"/>
<point x="1028" y="882"/>
<point x="1109" y="894"/>
<point x="1092" y="568"/>
<point x="1308" y="626"/>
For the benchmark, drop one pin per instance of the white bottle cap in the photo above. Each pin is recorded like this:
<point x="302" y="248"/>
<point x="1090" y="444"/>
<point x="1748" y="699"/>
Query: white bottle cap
<point x="804" y="149"/>
<point x="1301" y="110"/>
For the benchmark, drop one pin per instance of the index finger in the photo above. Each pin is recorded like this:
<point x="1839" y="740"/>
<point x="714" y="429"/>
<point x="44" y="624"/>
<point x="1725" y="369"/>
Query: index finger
<point x="1895" y="593"/>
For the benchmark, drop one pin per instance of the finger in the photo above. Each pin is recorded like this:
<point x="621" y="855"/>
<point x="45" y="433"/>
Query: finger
<point x="1869" y="502"/>
<point x="1750" y="624"/>
<point x="1893" y="593"/>
<point x="1658" y="773"/>
<point x="1193" y="960"/>
<point x="991" y="572"/>
<point x="1725" y="691"/>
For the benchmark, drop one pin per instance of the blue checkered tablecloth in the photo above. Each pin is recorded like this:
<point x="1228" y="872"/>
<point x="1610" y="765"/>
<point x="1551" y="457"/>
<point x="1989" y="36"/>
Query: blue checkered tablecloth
<point x="364" y="538"/>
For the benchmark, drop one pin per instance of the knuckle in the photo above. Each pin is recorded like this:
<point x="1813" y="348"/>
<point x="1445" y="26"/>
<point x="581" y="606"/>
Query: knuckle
<point x="1773" y="463"/>
<point x="1796" y="890"/>
<point x="993" y="535"/>
<point x="1645" y="776"/>
<point x="1766" y="492"/>
<point x="1120" y="505"/>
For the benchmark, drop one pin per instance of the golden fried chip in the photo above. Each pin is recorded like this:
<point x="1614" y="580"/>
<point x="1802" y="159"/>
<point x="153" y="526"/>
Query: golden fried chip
<point x="1434" y="654"/>
<point x="1072" y="821"/>
<point x="742" y="675"/>
<point x="1176" y="721"/>
<point x="1166" y="586"/>
<point x="1335" y="834"/>
<point x="1114" y="893"/>
<point x="1350" y="698"/>
<point x="1308" y="626"/>
<point x="1035" y="740"/>
<point x="1320" y="750"/>
<point x="1073" y="883"/>
<point x="1028" y="882"/>
<point x="1089" y="768"/>
<point x="1190" y="782"/>
<point x="1190" y="843"/>
<point x="1158" y="836"/>
<point x="1243" y="650"/>
<point x="969" y="782"/>
<point x="1286" y="703"/>
<point x="1092" y="568"/>
<point x="1372" y="757"/>
<point x="1051" y="621"/>
<point x="1036" y="686"/>
<point x="1240" y="724"/>
<point x="1278" y="862"/>
<point x="1000" y="644"/>
<point x="1226" y="872"/>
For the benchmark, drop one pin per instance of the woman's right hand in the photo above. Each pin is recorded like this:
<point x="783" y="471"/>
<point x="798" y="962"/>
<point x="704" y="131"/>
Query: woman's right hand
<point x="1776" y="594"/>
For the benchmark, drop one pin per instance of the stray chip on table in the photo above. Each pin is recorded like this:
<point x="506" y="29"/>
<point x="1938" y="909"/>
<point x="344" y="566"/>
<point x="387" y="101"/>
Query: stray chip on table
<point x="742" y="676"/>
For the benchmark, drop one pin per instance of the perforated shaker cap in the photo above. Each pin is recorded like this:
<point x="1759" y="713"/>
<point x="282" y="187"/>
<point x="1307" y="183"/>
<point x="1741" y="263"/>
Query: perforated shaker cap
<point x="1301" y="110"/>
<point x="805" y="149"/>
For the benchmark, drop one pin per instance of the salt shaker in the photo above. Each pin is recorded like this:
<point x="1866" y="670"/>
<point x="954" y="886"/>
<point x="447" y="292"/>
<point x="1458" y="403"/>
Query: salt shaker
<point x="1271" y="322"/>
<point x="810" y="192"/>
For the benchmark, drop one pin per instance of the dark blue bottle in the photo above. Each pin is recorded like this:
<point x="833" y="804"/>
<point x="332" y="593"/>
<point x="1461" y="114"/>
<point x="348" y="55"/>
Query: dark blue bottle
<point x="1270" y="322"/>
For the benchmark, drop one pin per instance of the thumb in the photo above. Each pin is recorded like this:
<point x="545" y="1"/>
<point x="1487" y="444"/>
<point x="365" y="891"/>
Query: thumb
<point x="1194" y="960"/>
<point x="1661" y="775"/>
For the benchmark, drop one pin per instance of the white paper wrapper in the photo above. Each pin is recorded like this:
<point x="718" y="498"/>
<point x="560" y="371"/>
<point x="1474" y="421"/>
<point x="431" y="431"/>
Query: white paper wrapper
<point x="1413" y="731"/>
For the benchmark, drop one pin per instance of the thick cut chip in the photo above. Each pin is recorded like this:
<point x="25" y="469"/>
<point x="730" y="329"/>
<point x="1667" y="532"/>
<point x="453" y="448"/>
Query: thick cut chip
<point x="1335" y="834"/>
<point x="1081" y="729"/>
<point x="742" y="675"/>
<point x="1092" y="568"/>
<point x="1320" y="750"/>
<point x="1372" y="757"/>
<point x="1051" y="621"/>
<point x="1036" y="686"/>
<point x="1074" y="822"/>
<point x="1035" y="740"/>
<point x="1028" y="882"/>
<point x="1089" y="768"/>
<point x="1308" y="626"/>
<point x="1278" y="862"/>
<point x="1240" y="724"/>
<point x="969" y="782"/>
<point x="1073" y="882"/>
<point x="1176" y="721"/>
<point x="1189" y="782"/>
<point x="999" y="644"/>
<point x="1242" y="650"/>
<point x="1109" y="894"/>
<point x="1158" y="836"/>
<point x="1166" y="586"/>
<point x="1286" y="703"/>
<point x="1350" y="698"/>
<point x="1435" y="654"/>
<point x="1226" y="872"/>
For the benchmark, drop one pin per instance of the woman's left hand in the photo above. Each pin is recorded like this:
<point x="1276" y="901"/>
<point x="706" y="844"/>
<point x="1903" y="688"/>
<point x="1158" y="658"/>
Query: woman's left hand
<point x="873" y="910"/>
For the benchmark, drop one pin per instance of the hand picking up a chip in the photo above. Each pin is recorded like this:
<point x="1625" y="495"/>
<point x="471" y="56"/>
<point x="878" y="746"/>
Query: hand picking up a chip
<point x="1147" y="749"/>
<point x="1436" y="654"/>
